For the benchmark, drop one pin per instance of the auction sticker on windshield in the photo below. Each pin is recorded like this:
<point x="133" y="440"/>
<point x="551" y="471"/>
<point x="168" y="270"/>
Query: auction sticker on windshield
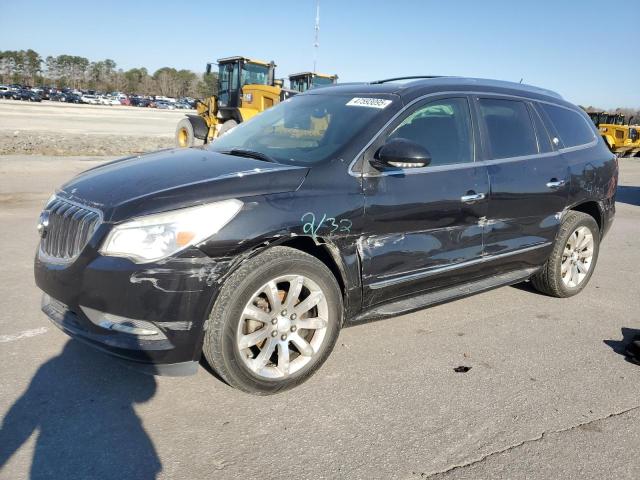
<point x="368" y="102"/>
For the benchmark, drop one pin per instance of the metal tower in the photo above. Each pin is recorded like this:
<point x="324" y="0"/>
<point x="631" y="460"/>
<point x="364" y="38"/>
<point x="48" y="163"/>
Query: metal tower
<point x="316" y="43"/>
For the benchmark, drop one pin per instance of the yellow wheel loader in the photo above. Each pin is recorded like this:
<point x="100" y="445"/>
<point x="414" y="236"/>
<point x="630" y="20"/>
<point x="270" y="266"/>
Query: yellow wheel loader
<point x="246" y="87"/>
<point x="301" y="82"/>
<point x="622" y="139"/>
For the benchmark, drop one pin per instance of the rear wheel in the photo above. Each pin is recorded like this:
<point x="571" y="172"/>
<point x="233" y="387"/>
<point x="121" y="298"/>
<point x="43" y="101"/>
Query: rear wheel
<point x="573" y="258"/>
<point x="184" y="133"/>
<point x="275" y="322"/>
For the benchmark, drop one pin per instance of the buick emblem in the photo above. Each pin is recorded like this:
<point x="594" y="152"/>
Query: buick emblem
<point x="43" y="223"/>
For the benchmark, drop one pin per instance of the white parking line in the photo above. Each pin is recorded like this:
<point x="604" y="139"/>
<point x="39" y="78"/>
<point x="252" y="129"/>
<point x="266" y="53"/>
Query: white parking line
<point x="25" y="334"/>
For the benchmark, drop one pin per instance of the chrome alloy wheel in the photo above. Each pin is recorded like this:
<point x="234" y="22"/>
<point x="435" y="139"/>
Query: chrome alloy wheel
<point x="283" y="326"/>
<point x="577" y="257"/>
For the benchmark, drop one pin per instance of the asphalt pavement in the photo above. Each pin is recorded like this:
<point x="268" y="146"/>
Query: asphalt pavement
<point x="548" y="393"/>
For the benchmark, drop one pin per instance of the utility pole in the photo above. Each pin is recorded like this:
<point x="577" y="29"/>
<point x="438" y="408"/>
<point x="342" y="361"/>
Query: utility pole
<point x="316" y="43"/>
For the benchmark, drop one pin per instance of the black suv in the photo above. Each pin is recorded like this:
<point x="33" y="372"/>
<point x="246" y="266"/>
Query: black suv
<point x="340" y="205"/>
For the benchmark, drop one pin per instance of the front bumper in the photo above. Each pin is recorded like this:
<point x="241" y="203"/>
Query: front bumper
<point x="151" y="316"/>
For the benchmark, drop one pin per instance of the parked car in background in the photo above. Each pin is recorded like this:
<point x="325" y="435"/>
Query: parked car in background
<point x="162" y="98"/>
<point x="164" y="105"/>
<point x="44" y="92"/>
<point x="191" y="102"/>
<point x="14" y="94"/>
<point x="140" y="101"/>
<point x="89" y="99"/>
<point x="58" y="97"/>
<point x="26" y="95"/>
<point x="108" y="100"/>
<point x="66" y="97"/>
<point x="118" y="95"/>
<point x="182" y="105"/>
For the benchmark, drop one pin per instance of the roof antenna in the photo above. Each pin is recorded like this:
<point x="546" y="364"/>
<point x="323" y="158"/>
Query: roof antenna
<point x="316" y="43"/>
<point x="521" y="80"/>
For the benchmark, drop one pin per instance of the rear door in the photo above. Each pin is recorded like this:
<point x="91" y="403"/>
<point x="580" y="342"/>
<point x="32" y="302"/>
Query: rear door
<point x="423" y="224"/>
<point x="529" y="182"/>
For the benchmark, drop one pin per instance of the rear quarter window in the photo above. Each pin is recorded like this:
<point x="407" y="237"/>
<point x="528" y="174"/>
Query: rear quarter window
<point x="573" y="128"/>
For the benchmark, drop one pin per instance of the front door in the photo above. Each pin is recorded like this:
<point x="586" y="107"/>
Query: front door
<point x="424" y="224"/>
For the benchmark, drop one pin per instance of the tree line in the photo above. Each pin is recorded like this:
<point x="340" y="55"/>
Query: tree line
<point x="27" y="67"/>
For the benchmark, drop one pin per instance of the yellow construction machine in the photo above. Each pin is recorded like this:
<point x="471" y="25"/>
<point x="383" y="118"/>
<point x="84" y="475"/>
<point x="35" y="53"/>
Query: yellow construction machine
<point x="301" y="82"/>
<point x="246" y="87"/>
<point x="622" y="139"/>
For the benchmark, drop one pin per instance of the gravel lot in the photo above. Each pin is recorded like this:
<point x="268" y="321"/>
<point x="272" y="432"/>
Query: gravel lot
<point x="548" y="394"/>
<point x="54" y="128"/>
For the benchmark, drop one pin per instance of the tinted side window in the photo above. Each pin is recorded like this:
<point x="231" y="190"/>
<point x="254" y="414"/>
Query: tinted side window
<point x="544" y="140"/>
<point x="509" y="128"/>
<point x="443" y="127"/>
<point x="572" y="128"/>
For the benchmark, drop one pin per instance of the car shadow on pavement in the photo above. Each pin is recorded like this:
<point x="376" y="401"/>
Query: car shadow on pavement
<point x="626" y="347"/>
<point x="80" y="407"/>
<point x="527" y="286"/>
<point x="630" y="195"/>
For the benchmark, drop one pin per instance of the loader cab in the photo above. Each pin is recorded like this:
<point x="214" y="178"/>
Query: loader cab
<point x="236" y="72"/>
<point x="604" y="118"/>
<point x="301" y="82"/>
<point x="612" y="119"/>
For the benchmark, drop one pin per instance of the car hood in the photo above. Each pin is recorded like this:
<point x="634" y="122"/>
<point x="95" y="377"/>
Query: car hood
<point x="176" y="178"/>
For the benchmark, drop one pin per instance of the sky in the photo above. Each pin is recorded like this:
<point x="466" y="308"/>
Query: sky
<point x="574" y="47"/>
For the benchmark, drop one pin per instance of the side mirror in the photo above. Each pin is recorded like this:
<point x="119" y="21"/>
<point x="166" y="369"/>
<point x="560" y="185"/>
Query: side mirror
<point x="401" y="153"/>
<point x="208" y="69"/>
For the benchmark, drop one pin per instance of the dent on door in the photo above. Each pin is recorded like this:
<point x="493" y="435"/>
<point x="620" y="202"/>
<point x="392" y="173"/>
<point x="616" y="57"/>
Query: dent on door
<point x="417" y="226"/>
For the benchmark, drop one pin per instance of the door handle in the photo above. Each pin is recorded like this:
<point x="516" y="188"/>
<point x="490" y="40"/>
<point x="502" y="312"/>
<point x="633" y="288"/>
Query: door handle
<point x="555" y="183"/>
<point x="472" y="197"/>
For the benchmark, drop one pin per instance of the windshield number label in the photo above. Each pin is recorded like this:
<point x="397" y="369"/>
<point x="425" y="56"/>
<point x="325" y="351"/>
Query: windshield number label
<point x="311" y="227"/>
<point x="368" y="102"/>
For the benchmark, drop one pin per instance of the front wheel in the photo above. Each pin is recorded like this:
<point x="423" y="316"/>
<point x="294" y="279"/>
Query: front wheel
<point x="185" y="136"/>
<point x="573" y="258"/>
<point x="275" y="322"/>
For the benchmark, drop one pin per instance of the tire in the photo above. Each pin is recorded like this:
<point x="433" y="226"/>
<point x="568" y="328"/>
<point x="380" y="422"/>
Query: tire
<point x="550" y="279"/>
<point x="184" y="134"/>
<point x="227" y="126"/>
<point x="222" y="343"/>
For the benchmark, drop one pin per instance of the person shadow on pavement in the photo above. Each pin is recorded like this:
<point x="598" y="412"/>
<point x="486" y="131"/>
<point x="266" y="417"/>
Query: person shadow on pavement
<point x="629" y="346"/>
<point x="80" y="405"/>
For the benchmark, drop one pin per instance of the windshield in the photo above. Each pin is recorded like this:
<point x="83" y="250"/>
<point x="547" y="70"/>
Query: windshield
<point x="253" y="74"/>
<point x="320" y="81"/>
<point x="305" y="129"/>
<point x="299" y="84"/>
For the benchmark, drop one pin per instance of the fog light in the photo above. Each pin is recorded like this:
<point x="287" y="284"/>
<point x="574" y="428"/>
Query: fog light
<point x="116" y="323"/>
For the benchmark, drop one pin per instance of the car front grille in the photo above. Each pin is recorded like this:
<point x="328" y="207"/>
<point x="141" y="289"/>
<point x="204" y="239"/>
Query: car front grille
<point x="66" y="229"/>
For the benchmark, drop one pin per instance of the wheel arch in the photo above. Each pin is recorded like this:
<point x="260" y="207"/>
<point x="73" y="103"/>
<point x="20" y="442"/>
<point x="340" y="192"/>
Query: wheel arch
<point x="323" y="253"/>
<point x="591" y="208"/>
<point x="344" y="265"/>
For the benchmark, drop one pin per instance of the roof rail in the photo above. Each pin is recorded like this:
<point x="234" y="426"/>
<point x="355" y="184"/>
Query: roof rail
<point x="412" y="77"/>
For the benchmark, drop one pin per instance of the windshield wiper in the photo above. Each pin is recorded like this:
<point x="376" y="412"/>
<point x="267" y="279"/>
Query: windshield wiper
<point x="241" y="152"/>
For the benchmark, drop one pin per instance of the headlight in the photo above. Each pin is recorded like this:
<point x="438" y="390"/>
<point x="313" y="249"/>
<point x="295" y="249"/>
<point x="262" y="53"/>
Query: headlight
<point x="248" y="97"/>
<point x="157" y="236"/>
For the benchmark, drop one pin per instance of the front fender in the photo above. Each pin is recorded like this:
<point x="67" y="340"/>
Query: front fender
<point x="200" y="128"/>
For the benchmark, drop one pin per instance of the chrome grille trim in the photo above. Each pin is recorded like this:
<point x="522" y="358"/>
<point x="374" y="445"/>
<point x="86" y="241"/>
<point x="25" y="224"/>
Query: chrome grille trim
<point x="71" y="226"/>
